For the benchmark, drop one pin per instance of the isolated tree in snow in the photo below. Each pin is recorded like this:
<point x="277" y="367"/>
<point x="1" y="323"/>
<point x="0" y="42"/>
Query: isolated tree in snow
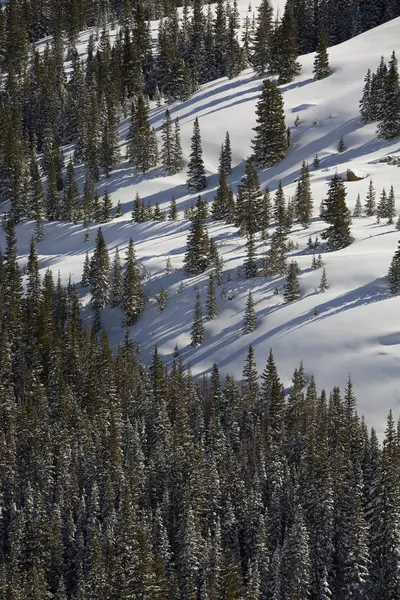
<point x="196" y="180"/>
<point x="225" y="158"/>
<point x="198" y="325"/>
<point x="303" y="202"/>
<point x="365" y="102"/>
<point x="100" y="273"/>
<point x="357" y="213"/>
<point x="341" y="145"/>
<point x="173" y="211"/>
<point x="261" y="57"/>
<point x="250" y="263"/>
<point x="382" y="205"/>
<point x="316" y="162"/>
<point x="116" y="280"/>
<point x="250" y="317"/>
<point x="212" y="305"/>
<point x="321" y="61"/>
<point x="270" y="143"/>
<point x="197" y="257"/>
<point x="389" y="126"/>
<point x="394" y="274"/>
<point x="391" y="206"/>
<point x="162" y="298"/>
<point x="107" y="207"/>
<point x="323" y="286"/>
<point x="370" y="200"/>
<point x="336" y="213"/>
<point x="292" y="286"/>
<point x="132" y="293"/>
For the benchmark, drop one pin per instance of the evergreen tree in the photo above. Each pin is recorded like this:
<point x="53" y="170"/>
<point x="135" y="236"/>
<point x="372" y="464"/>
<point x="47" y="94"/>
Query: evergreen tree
<point x="116" y="280"/>
<point x="167" y="148"/>
<point x="212" y="305"/>
<point x="321" y="61"/>
<point x="366" y="110"/>
<point x="382" y="205"/>
<point x="197" y="257"/>
<point x="389" y="125"/>
<point x="292" y="286"/>
<point x="196" y="173"/>
<point x="370" y="201"/>
<point x="100" y="273"/>
<point x="391" y="207"/>
<point x="341" y="145"/>
<point x="173" y="211"/>
<point x="250" y="263"/>
<point x="303" y="199"/>
<point x="141" y="144"/>
<point x="177" y="155"/>
<point x="86" y="270"/>
<point x="219" y="208"/>
<point x="323" y="286"/>
<point x="269" y="144"/>
<point x="357" y="213"/>
<point x="249" y="201"/>
<point x="250" y="317"/>
<point x="261" y="57"/>
<point x="316" y="162"/>
<point x="226" y="163"/>
<point x="394" y="274"/>
<point x="198" y="325"/>
<point x="162" y="298"/>
<point x="336" y="213"/>
<point x="107" y="207"/>
<point x="132" y="294"/>
<point x="284" y="49"/>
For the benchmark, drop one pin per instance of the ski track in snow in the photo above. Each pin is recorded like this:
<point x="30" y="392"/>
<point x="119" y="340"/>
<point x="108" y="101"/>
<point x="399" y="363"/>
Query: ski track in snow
<point x="357" y="328"/>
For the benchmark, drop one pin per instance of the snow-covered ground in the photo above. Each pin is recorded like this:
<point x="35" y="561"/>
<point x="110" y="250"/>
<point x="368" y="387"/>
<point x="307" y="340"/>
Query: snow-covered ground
<point x="357" y="328"/>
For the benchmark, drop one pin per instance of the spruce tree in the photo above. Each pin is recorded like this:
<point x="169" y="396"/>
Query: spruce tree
<point x="173" y="212"/>
<point x="321" y="61"/>
<point x="86" y="270"/>
<point x="211" y="305"/>
<point x="167" y="147"/>
<point x="141" y="144"/>
<point x="370" y="201"/>
<point x="250" y="263"/>
<point x="391" y="207"/>
<point x="162" y="298"/>
<point x="303" y="198"/>
<point x="107" y="207"/>
<point x="250" y="317"/>
<point x="132" y="293"/>
<point x="116" y="280"/>
<point x="394" y="273"/>
<point x="269" y="144"/>
<point x="389" y="125"/>
<point x="284" y="49"/>
<point x="249" y="201"/>
<point x="292" y="287"/>
<point x="323" y="286"/>
<point x="177" y="148"/>
<point x="382" y="205"/>
<point x="365" y="102"/>
<point x="261" y="57"/>
<point x="226" y="162"/>
<point x="341" y="145"/>
<point x="357" y="213"/>
<point x="219" y="207"/>
<point x="197" y="334"/>
<point x="197" y="257"/>
<point x="196" y="180"/>
<point x="336" y="213"/>
<point x="100" y="273"/>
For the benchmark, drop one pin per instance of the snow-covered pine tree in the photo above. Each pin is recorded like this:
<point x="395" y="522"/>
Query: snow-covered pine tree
<point x="196" y="180"/>
<point x="167" y="147"/>
<point x="250" y="317"/>
<point x="197" y="334"/>
<point x="323" y="286"/>
<point x="261" y="57"/>
<point x="296" y="564"/>
<point x="221" y="199"/>
<point x="197" y="257"/>
<point x="391" y="207"/>
<point x="292" y="287"/>
<point x="382" y="205"/>
<point x="227" y="155"/>
<point x="107" y="207"/>
<point x="303" y="199"/>
<point x="162" y="298"/>
<point x="173" y="211"/>
<point x="269" y="143"/>
<point x="86" y="270"/>
<point x="321" y="61"/>
<point x="177" y="148"/>
<point x="132" y="293"/>
<point x="341" y="145"/>
<point x="250" y="263"/>
<point x="365" y="102"/>
<point x="370" y="200"/>
<point x="211" y="305"/>
<point x="394" y="273"/>
<point x="116" y="280"/>
<point x="389" y="124"/>
<point x="357" y="213"/>
<point x="100" y="273"/>
<point x="141" y="141"/>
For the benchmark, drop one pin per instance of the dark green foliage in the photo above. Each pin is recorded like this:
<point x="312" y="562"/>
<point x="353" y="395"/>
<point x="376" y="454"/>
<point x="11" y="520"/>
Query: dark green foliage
<point x="394" y="274"/>
<point x="284" y="49"/>
<point x="249" y="201"/>
<point x="250" y="317"/>
<point x="198" y="325"/>
<point x="357" y="213"/>
<point x="336" y="213"/>
<point x="141" y="143"/>
<point x="212" y="305"/>
<point x="196" y="180"/>
<point x="270" y="143"/>
<point x="389" y="125"/>
<point x="341" y="145"/>
<point x="321" y="61"/>
<point x="173" y="211"/>
<point x="303" y="202"/>
<point x="132" y="293"/>
<point x="250" y="263"/>
<point x="100" y="273"/>
<point x="292" y="286"/>
<point x="261" y="57"/>
<point x="197" y="257"/>
<point x="370" y="201"/>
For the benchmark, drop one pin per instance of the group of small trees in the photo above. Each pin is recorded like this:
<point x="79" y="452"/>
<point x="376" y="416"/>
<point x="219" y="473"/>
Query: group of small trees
<point x="384" y="209"/>
<point x="113" y="286"/>
<point x="381" y="99"/>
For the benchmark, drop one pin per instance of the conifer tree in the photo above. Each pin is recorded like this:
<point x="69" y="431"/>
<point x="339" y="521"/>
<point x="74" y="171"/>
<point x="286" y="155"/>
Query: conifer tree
<point x="261" y="57"/>
<point x="86" y="271"/>
<point x="100" y="273"/>
<point x="173" y="211"/>
<point x="269" y="144"/>
<point x="266" y="212"/>
<point x="284" y="49"/>
<point x="162" y="298"/>
<point x="389" y="125"/>
<point x="118" y="212"/>
<point x="323" y="286"/>
<point x="292" y="286"/>
<point x="316" y="162"/>
<point x="357" y="213"/>
<point x="321" y="61"/>
<point x="198" y="325"/>
<point x="336" y="213"/>
<point x="303" y="198"/>
<point x="196" y="180"/>
<point x="116" y="280"/>
<point x="219" y="207"/>
<point x="391" y="207"/>
<point x="141" y="145"/>
<point x="249" y="201"/>
<point x="212" y="305"/>
<point x="227" y="155"/>
<point x="370" y="201"/>
<point x="394" y="274"/>
<point x="177" y="148"/>
<point x="341" y="145"/>
<point x="365" y="102"/>
<point x="250" y="263"/>
<point x="167" y="148"/>
<point x="250" y="317"/>
<point x="132" y="293"/>
<point x="382" y="205"/>
<point x="107" y="207"/>
<point x="197" y="257"/>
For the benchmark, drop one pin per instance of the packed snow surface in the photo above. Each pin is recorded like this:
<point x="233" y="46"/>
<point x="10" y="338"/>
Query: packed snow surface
<point x="357" y="326"/>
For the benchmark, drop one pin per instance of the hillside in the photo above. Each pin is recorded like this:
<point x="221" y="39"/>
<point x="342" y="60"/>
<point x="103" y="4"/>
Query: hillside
<point x="356" y="328"/>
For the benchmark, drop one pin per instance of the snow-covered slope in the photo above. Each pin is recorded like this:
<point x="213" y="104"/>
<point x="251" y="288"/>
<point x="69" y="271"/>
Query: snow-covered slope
<point x="357" y="327"/>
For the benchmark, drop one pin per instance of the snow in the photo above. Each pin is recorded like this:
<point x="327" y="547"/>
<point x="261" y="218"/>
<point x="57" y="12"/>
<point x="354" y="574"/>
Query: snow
<point x="357" y="328"/>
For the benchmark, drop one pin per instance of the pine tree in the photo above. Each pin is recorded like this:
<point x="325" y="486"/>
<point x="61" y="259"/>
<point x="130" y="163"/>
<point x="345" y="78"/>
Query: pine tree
<point x="365" y="102"/>
<point x="227" y="155"/>
<point x="132" y="294"/>
<point x="116" y="280"/>
<point x="250" y="263"/>
<point x="389" y="125"/>
<point x="220" y="204"/>
<point x="86" y="271"/>
<point x="284" y="49"/>
<point x="196" y="173"/>
<point x="382" y="206"/>
<point x="269" y="144"/>
<point x="212" y="305"/>
<point x="250" y="317"/>
<point x="141" y="144"/>
<point x="357" y="213"/>
<point x="394" y="274"/>
<point x="391" y="207"/>
<point x="107" y="207"/>
<point x="370" y="202"/>
<point x="292" y="286"/>
<point x="321" y="61"/>
<point x="323" y="286"/>
<point x="177" y="148"/>
<point x="173" y="211"/>
<point x="336" y="213"/>
<point x="316" y="162"/>
<point x="197" y="257"/>
<point x="303" y="199"/>
<point x="341" y="145"/>
<point x="198" y="325"/>
<point x="100" y="273"/>
<point x="249" y="201"/>
<point x="162" y="298"/>
<point x="296" y="564"/>
<point x="261" y="57"/>
<point x="167" y="148"/>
